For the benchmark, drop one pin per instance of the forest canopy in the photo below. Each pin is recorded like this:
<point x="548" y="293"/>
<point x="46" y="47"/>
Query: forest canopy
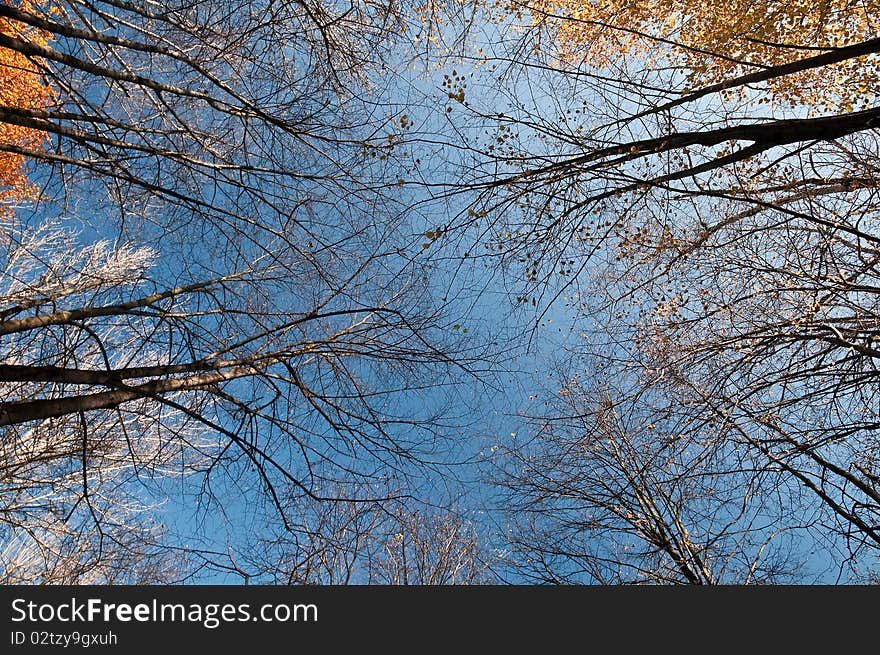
<point x="379" y="292"/>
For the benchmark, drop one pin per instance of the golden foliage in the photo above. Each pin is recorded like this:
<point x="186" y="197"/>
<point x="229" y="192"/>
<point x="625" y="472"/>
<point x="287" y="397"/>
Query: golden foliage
<point x="716" y="41"/>
<point x="21" y="87"/>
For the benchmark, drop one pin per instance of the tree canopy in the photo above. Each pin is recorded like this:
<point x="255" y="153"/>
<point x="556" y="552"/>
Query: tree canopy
<point x="21" y="86"/>
<point x="713" y="44"/>
<point x="611" y="265"/>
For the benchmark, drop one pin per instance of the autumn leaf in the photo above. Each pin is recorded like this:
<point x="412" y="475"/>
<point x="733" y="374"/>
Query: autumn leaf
<point x="22" y="87"/>
<point x="715" y="42"/>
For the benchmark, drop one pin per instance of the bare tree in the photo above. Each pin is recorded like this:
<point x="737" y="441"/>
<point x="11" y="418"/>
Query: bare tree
<point x="719" y="254"/>
<point x="617" y="487"/>
<point x="430" y="549"/>
<point x="388" y="542"/>
<point x="258" y="306"/>
<point x="75" y="482"/>
<point x="104" y="371"/>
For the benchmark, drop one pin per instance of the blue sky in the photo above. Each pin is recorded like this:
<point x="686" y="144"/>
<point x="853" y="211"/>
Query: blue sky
<point x="425" y="227"/>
